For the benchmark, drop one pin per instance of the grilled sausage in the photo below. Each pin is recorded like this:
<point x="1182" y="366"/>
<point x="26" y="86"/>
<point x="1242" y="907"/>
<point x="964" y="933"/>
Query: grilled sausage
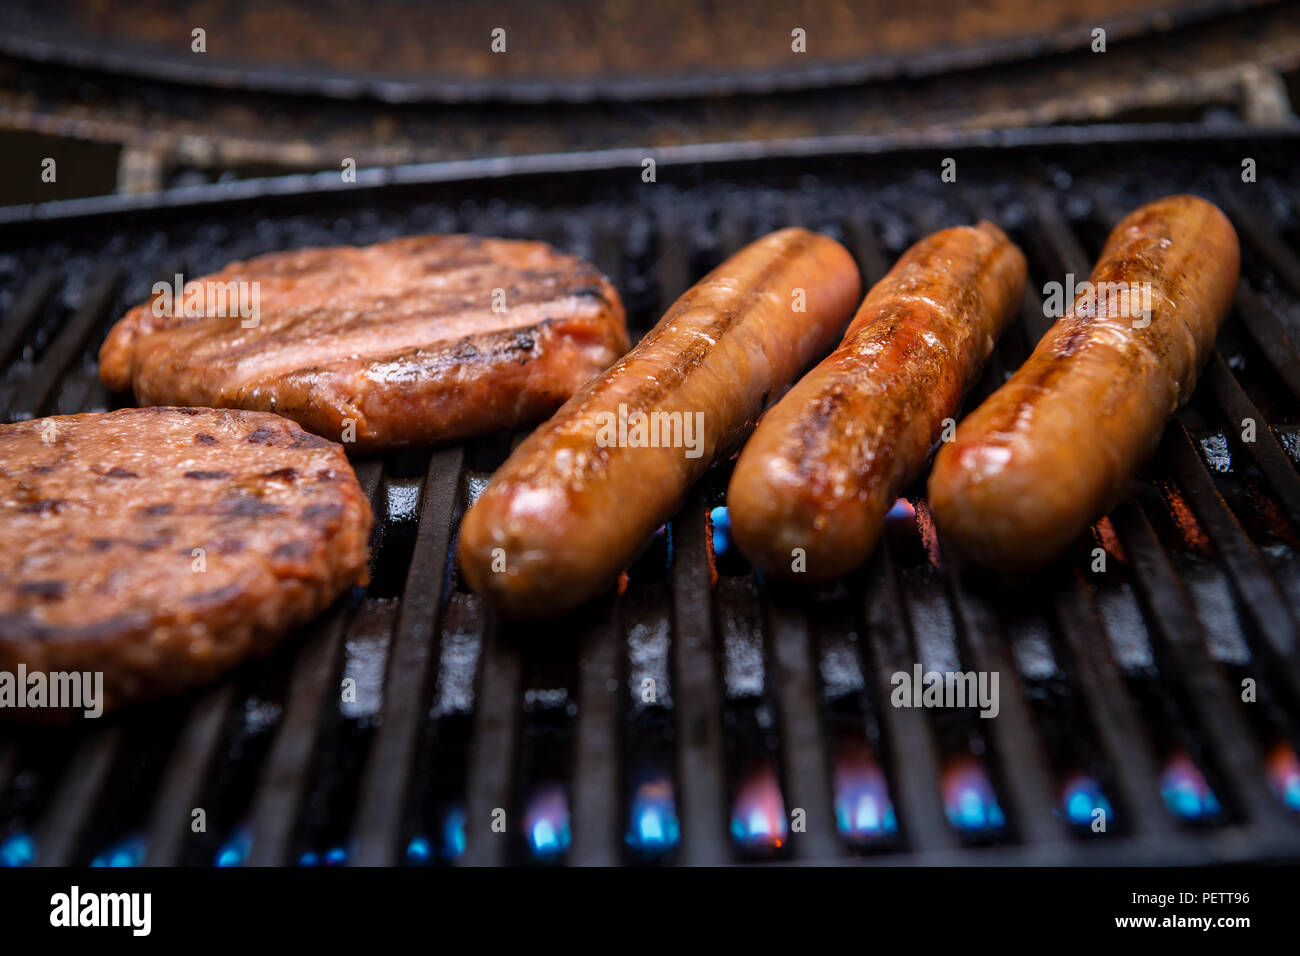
<point x="570" y="508"/>
<point x="809" y="494"/>
<point x="1059" y="443"/>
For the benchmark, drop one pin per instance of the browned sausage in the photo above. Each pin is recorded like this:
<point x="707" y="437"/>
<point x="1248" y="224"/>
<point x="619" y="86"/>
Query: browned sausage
<point x="811" y="489"/>
<point x="570" y="508"/>
<point x="1059" y="443"/>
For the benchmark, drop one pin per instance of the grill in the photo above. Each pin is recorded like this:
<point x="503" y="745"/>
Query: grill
<point x="698" y="715"/>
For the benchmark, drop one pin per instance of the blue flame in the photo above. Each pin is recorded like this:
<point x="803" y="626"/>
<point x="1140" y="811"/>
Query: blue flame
<point x="419" y="851"/>
<point x="863" y="809"/>
<point x="653" y="827"/>
<point x="453" y="833"/>
<point x="309" y="858"/>
<point x="1186" y="792"/>
<point x="720" y="519"/>
<point x="546" y="823"/>
<point x="128" y="851"/>
<point x="1284" y="774"/>
<point x="422" y="851"/>
<point x="758" y="819"/>
<point x="969" y="800"/>
<point x="17" y="850"/>
<point x="236" y="849"/>
<point x="1082" y="797"/>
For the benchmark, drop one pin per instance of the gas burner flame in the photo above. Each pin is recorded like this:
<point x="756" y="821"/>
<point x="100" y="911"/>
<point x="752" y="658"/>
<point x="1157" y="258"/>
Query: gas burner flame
<point x="546" y="823"/>
<point x="720" y="525"/>
<point x="234" y="852"/>
<point x="334" y="856"/>
<point x="863" y="809"/>
<point x="1186" y="792"/>
<point x="758" y="819"/>
<point x="968" y="797"/>
<point x="129" y="851"/>
<point x="902" y="508"/>
<point x="422" y="850"/>
<point x="17" y="849"/>
<point x="1081" y="797"/>
<point x="1283" y="768"/>
<point x="653" y="827"/>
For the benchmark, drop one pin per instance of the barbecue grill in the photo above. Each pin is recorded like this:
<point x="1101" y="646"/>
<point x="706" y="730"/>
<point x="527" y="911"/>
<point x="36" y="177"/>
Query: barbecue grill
<point x="699" y="715"/>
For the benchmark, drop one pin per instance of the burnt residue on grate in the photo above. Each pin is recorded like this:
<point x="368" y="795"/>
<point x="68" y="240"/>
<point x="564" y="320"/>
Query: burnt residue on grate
<point x="1148" y="684"/>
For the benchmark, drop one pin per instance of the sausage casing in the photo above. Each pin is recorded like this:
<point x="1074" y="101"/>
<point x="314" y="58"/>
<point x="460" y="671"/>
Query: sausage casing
<point x="570" y="508"/>
<point x="811" y="489"/>
<point x="1060" y="442"/>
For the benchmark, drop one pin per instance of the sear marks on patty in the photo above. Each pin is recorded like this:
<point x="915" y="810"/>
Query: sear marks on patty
<point x="128" y="548"/>
<point x="417" y="340"/>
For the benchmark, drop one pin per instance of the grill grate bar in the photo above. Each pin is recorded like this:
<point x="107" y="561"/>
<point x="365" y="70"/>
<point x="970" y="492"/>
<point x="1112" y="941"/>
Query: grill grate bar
<point x="1175" y="619"/>
<point x="8" y="762"/>
<point x="288" y="767"/>
<point x="1266" y="329"/>
<point x="493" y="755"/>
<point x="1012" y="734"/>
<point x="77" y="795"/>
<point x="1131" y="760"/>
<point x="915" y="771"/>
<point x="1262" y="599"/>
<point x="697" y="706"/>
<point x="389" y="766"/>
<point x="1266" y="451"/>
<point x="72" y="339"/>
<point x="183" y="784"/>
<point x="595" y="748"/>
<point x="1281" y="260"/>
<point x="20" y="319"/>
<point x="803" y="750"/>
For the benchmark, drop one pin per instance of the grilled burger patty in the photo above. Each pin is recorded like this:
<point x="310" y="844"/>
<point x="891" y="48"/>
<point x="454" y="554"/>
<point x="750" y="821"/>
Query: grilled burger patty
<point x="162" y="546"/>
<point x="422" y="339"/>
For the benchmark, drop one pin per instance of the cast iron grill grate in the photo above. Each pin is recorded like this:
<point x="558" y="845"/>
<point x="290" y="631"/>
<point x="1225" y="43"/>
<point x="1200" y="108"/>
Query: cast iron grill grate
<point x="689" y="717"/>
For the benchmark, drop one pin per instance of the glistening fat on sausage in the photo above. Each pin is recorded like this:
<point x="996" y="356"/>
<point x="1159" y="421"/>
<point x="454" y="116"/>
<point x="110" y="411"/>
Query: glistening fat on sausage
<point x="1059" y="443"/>
<point x="570" y="508"/>
<point x="811" y="489"/>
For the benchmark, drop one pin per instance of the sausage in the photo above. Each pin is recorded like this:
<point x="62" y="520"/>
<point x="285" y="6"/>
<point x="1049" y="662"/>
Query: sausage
<point x="569" y="510"/>
<point x="1058" y="445"/>
<point x="811" y="489"/>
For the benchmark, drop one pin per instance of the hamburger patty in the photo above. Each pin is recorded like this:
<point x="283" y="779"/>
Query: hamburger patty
<point x="423" y="339"/>
<point x="162" y="546"/>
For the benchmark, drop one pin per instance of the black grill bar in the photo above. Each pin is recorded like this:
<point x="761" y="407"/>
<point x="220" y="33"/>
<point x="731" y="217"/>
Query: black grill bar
<point x="889" y="649"/>
<point x="1130" y="757"/>
<point x="315" y="676"/>
<point x="22" y="317"/>
<point x="1268" y="454"/>
<point x="1262" y="599"/>
<point x="1264" y="326"/>
<point x="53" y="365"/>
<point x="490" y="773"/>
<point x="182" y="787"/>
<point x="596" y="745"/>
<point x="1019" y="753"/>
<point x="1230" y="740"/>
<point x="695" y="693"/>
<point x="803" y="750"/>
<point x="78" y="793"/>
<point x="388" y="773"/>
